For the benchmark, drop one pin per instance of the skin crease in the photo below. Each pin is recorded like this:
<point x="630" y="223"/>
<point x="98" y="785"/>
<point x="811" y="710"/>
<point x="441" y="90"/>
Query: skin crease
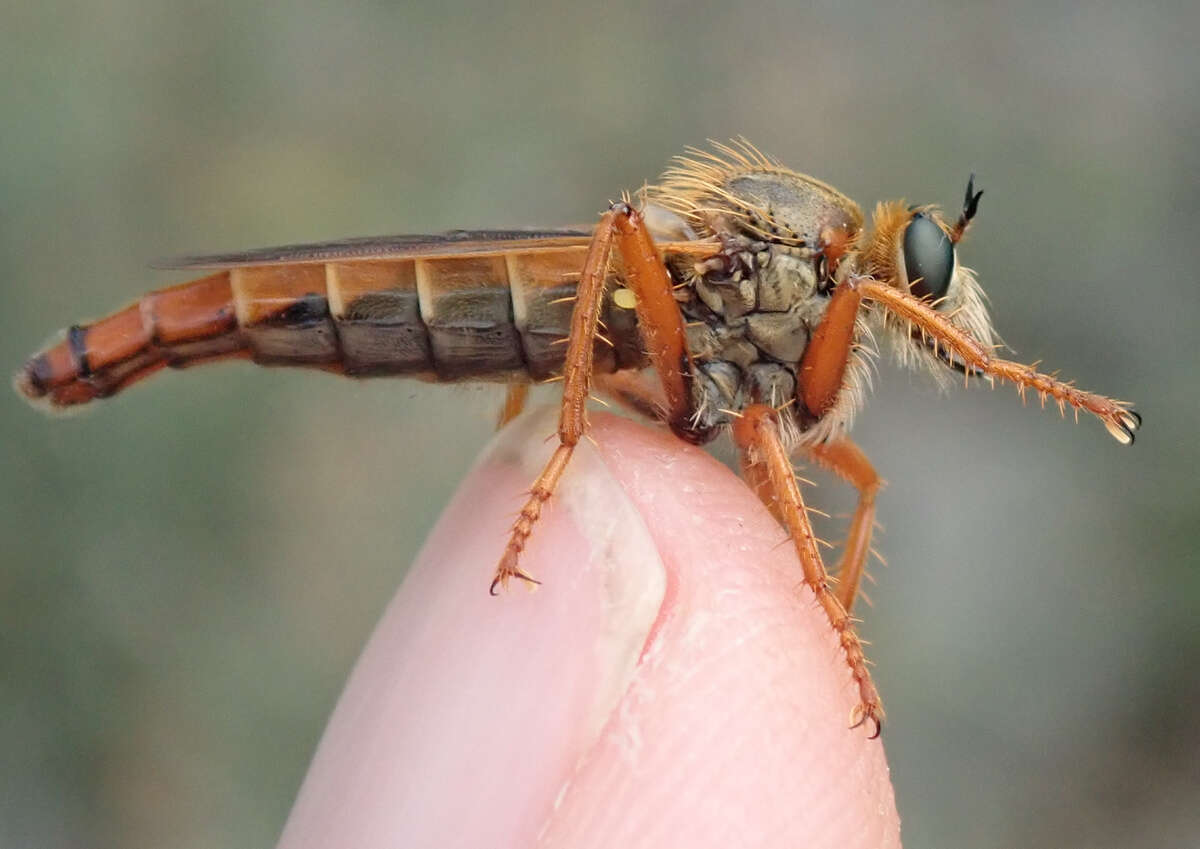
<point x="669" y="684"/>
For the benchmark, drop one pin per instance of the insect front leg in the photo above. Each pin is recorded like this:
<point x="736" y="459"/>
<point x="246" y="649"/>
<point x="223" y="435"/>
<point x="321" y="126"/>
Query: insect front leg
<point x="943" y="336"/>
<point x="823" y="366"/>
<point x="756" y="433"/>
<point x="662" y="331"/>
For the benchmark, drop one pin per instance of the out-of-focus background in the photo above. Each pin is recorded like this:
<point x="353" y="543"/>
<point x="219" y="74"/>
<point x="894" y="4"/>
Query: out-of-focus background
<point x="189" y="571"/>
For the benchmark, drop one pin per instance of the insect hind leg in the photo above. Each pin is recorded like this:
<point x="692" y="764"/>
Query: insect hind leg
<point x="662" y="330"/>
<point x="847" y="461"/>
<point x="515" y="396"/>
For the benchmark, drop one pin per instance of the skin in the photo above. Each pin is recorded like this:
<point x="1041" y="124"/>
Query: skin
<point x="670" y="684"/>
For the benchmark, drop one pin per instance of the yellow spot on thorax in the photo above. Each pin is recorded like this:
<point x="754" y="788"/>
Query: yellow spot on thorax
<point x="625" y="299"/>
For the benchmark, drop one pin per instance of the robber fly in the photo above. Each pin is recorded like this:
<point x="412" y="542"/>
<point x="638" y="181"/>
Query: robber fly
<point x="752" y="291"/>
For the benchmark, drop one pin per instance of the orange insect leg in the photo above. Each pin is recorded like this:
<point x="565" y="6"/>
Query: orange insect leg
<point x="847" y="461"/>
<point x="1120" y="421"/>
<point x="823" y="366"/>
<point x="757" y="435"/>
<point x="755" y="475"/>
<point x="577" y="370"/>
<point x="515" y="395"/>
<point x="659" y="318"/>
<point x="662" y="331"/>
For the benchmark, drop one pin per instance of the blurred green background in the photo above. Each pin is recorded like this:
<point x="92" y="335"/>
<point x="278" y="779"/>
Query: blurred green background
<point x="189" y="571"/>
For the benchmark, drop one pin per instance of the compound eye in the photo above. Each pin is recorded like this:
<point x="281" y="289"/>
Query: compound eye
<point x="928" y="257"/>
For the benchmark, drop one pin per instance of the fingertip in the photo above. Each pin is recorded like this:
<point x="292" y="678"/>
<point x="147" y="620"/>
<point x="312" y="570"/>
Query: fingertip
<point x="670" y="684"/>
<point x="734" y="729"/>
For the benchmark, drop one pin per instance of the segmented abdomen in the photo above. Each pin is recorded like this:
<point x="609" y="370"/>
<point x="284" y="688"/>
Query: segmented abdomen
<point x="499" y="316"/>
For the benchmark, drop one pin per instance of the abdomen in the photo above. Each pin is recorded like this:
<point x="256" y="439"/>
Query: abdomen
<point x="496" y="316"/>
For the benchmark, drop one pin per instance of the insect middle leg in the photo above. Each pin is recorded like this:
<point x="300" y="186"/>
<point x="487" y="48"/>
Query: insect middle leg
<point x="662" y="331"/>
<point x="847" y="461"/>
<point x="756" y="433"/>
<point x="822" y="373"/>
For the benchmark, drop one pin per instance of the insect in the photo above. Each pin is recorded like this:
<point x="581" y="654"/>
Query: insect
<point x="752" y="291"/>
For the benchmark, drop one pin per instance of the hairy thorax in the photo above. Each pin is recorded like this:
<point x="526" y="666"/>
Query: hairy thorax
<point x="751" y="310"/>
<point x="748" y="326"/>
